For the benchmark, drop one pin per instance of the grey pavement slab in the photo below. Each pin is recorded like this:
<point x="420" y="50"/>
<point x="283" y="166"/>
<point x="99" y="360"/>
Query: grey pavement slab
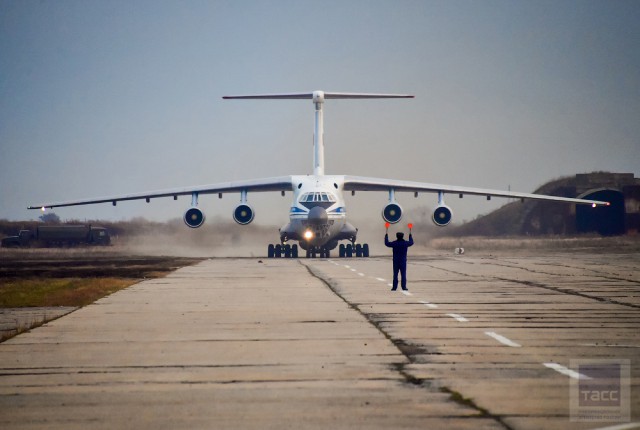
<point x="556" y="308"/>
<point x="228" y="343"/>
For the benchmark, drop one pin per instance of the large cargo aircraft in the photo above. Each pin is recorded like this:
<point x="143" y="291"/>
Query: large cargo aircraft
<point x="318" y="216"/>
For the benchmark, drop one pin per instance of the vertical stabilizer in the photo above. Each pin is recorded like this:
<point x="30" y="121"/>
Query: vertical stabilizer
<point x="318" y="98"/>
<point x="318" y="134"/>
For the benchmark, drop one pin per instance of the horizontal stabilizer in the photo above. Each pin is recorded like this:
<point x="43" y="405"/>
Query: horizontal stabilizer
<point x="318" y="98"/>
<point x="325" y="95"/>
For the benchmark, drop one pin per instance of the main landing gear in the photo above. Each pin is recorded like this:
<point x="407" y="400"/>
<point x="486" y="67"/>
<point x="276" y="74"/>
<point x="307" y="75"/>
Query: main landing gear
<point x="282" y="251"/>
<point x="344" y="251"/>
<point x="353" y="250"/>
<point x="291" y="251"/>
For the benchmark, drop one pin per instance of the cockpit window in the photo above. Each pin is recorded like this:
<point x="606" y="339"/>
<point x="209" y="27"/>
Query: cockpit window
<point x="318" y="197"/>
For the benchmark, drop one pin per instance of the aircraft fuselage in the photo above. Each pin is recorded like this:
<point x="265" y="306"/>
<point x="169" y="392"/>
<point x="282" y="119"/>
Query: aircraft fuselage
<point x="318" y="217"/>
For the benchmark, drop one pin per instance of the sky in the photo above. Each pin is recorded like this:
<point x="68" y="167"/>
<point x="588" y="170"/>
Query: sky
<point x="102" y="98"/>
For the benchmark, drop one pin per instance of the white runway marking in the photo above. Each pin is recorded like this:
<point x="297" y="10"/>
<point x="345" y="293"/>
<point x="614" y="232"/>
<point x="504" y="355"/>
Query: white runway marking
<point x="565" y="371"/>
<point x="502" y="339"/>
<point x="348" y="267"/>
<point x="381" y="280"/>
<point x="429" y="305"/>
<point x="361" y="274"/>
<point x="406" y="293"/>
<point x="458" y="317"/>
<point x="353" y="270"/>
<point x="391" y="285"/>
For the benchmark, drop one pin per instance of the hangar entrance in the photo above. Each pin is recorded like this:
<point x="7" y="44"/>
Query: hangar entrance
<point x="606" y="220"/>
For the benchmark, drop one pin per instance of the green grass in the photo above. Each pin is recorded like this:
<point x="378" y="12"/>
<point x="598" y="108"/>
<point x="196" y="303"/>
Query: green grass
<point x="58" y="291"/>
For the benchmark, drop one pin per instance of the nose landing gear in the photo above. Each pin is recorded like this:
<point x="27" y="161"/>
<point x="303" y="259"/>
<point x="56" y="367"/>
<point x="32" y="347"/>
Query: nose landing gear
<point x="314" y="252"/>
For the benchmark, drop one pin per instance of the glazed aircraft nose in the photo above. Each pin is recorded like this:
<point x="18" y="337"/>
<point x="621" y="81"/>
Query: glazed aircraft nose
<point x="317" y="215"/>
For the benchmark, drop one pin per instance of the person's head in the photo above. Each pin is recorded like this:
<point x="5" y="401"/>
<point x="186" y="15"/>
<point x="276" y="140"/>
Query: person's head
<point x="400" y="236"/>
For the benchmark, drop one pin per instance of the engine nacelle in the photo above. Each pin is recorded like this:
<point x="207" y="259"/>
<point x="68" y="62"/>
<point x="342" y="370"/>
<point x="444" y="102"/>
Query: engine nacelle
<point x="392" y="213"/>
<point x="243" y="214"/>
<point x="442" y="216"/>
<point x="194" y="217"/>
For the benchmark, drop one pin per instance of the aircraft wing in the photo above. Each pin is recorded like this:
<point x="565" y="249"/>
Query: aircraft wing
<point x="281" y="183"/>
<point x="358" y="183"/>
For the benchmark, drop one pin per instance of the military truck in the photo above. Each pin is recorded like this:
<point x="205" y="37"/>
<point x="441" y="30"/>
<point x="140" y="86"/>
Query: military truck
<point x="59" y="235"/>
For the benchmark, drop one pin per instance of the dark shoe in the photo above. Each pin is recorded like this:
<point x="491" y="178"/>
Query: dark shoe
<point x="393" y="289"/>
<point x="405" y="289"/>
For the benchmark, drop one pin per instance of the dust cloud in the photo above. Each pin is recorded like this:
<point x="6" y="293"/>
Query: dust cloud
<point x="215" y="238"/>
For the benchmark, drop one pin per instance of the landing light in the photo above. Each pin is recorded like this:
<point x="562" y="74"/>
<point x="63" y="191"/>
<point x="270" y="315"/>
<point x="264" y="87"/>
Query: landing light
<point x="308" y="234"/>
<point x="43" y="208"/>
<point x="387" y="224"/>
<point x="594" y="205"/>
<point x="410" y="226"/>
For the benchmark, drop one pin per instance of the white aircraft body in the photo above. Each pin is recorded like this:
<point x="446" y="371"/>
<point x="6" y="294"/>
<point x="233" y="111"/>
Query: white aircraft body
<point x="318" y="217"/>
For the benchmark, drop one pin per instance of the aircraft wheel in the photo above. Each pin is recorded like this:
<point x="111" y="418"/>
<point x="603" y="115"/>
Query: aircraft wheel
<point x="278" y="251"/>
<point x="294" y="251"/>
<point x="341" y="250"/>
<point x="358" y="250"/>
<point x="309" y="253"/>
<point x="348" y="251"/>
<point x="365" y="250"/>
<point x="270" y="251"/>
<point x="327" y="253"/>
<point x="287" y="251"/>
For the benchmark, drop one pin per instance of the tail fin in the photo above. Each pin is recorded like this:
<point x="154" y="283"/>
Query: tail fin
<point x="318" y="98"/>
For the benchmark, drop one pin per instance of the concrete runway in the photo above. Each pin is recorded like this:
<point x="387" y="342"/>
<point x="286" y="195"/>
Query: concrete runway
<point x="237" y="343"/>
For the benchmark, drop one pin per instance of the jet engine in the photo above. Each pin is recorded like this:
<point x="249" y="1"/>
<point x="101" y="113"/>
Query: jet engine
<point x="442" y="216"/>
<point x="194" y="217"/>
<point x="392" y="213"/>
<point x="243" y="214"/>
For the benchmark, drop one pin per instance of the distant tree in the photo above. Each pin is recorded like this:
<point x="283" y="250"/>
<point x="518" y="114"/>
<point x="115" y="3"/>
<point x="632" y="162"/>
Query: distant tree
<point x="50" y="218"/>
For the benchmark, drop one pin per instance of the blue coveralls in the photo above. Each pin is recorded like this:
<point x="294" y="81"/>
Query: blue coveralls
<point x="399" y="259"/>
